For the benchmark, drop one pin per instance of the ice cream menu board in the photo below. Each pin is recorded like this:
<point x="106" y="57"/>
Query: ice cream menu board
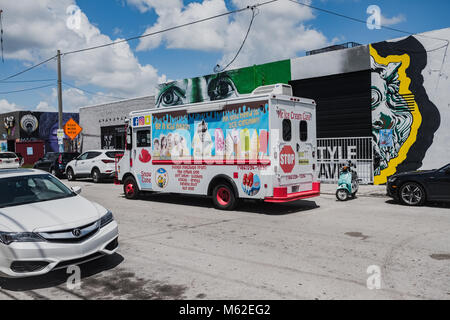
<point x="239" y="131"/>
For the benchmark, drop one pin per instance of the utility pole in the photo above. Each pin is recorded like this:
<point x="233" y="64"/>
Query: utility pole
<point x="60" y="106"/>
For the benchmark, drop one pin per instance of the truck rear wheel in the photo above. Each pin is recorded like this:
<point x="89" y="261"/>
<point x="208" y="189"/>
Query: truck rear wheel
<point x="223" y="197"/>
<point x="130" y="188"/>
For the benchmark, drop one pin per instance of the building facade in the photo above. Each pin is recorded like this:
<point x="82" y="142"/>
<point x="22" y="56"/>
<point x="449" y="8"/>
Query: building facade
<point x="104" y="125"/>
<point x="387" y="102"/>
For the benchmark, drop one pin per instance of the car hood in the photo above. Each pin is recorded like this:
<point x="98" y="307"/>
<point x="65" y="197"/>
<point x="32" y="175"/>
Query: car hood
<point x="50" y="215"/>
<point x="418" y="172"/>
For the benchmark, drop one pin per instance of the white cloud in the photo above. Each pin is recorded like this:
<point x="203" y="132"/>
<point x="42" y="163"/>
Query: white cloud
<point x="392" y="21"/>
<point x="6" y="106"/>
<point x="35" y="31"/>
<point x="278" y="31"/>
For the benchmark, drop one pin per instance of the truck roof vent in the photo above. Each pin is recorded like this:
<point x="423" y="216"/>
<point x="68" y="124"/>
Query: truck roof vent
<point x="279" y="88"/>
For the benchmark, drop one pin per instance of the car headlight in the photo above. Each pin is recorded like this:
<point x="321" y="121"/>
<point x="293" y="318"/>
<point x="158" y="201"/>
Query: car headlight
<point x="8" y="237"/>
<point x="107" y="218"/>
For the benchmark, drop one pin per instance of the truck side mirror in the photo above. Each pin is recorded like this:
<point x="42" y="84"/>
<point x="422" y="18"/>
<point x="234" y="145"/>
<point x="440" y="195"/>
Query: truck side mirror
<point x="129" y="142"/>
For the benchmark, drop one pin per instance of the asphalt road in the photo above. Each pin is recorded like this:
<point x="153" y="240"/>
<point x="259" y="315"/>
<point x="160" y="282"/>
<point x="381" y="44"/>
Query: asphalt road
<point x="176" y="247"/>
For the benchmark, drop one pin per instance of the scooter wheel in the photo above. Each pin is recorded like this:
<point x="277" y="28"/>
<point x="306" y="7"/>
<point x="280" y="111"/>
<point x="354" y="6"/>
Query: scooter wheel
<point x="342" y="195"/>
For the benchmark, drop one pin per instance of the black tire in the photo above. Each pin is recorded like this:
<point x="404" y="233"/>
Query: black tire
<point x="70" y="175"/>
<point x="223" y="197"/>
<point x="96" y="176"/>
<point x="130" y="188"/>
<point x="412" y="194"/>
<point x="342" y="195"/>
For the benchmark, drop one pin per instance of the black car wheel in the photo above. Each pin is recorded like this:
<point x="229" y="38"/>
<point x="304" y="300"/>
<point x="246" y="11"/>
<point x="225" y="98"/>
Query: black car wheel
<point x="96" y="176"/>
<point x="412" y="194"/>
<point x="70" y="174"/>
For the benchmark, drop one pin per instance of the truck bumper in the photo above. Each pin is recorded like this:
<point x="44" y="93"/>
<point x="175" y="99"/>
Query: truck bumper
<point x="279" y="198"/>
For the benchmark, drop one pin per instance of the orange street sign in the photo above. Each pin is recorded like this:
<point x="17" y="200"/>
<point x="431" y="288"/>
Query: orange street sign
<point x="72" y="129"/>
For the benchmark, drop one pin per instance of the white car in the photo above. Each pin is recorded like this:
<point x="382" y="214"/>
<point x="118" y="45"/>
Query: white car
<point x="46" y="226"/>
<point x="9" y="160"/>
<point x="95" y="164"/>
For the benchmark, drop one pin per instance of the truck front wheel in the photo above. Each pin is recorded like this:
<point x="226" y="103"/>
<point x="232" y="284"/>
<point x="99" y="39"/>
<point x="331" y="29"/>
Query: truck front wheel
<point x="130" y="188"/>
<point x="223" y="197"/>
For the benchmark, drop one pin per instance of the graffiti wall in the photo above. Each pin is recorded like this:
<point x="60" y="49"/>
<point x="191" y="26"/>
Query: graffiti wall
<point x="408" y="103"/>
<point x="223" y="85"/>
<point x="29" y="126"/>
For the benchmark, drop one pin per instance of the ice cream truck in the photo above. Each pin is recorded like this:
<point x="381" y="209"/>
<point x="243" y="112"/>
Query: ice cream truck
<point x="258" y="146"/>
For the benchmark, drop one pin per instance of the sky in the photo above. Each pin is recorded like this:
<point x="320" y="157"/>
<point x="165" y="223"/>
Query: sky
<point x="33" y="30"/>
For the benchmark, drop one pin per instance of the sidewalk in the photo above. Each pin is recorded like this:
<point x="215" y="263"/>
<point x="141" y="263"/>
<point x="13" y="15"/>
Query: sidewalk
<point x="364" y="190"/>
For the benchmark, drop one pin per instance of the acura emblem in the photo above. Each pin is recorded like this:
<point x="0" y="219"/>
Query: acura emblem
<point x="76" y="232"/>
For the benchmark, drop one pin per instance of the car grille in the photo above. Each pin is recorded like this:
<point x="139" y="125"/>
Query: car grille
<point x="65" y="264"/>
<point x="72" y="235"/>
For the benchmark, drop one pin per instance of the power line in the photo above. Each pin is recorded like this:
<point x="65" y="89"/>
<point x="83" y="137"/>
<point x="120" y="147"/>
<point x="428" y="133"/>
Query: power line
<point x="365" y="22"/>
<point x="28" y="69"/>
<point x="170" y="29"/>
<point x="23" y="81"/>
<point x="217" y="68"/>
<point x="28" y="89"/>
<point x="90" y="92"/>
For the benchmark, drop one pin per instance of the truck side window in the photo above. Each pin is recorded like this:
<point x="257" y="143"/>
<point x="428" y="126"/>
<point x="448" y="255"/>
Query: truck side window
<point x="287" y="130"/>
<point x="143" y="138"/>
<point x="303" y="130"/>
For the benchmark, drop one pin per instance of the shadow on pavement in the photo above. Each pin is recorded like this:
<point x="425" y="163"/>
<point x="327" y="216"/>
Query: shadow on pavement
<point x="253" y="206"/>
<point x="430" y="204"/>
<point x="58" y="277"/>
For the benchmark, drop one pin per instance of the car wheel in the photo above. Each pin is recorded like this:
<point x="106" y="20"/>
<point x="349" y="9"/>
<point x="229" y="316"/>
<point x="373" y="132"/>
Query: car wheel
<point x="223" y="197"/>
<point x="130" y="188"/>
<point x="70" y="175"/>
<point x="412" y="194"/>
<point x="96" y="176"/>
<point x="342" y="195"/>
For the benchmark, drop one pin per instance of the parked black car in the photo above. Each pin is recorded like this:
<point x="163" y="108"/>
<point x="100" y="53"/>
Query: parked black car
<point x="55" y="162"/>
<point x="414" y="188"/>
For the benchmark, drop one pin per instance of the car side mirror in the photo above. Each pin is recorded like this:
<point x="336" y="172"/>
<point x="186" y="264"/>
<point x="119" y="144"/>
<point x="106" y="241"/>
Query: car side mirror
<point x="447" y="171"/>
<point x="76" y="189"/>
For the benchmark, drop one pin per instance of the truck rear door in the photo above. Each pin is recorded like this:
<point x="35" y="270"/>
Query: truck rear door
<point x="295" y="147"/>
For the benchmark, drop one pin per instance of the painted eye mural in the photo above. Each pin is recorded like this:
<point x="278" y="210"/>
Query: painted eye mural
<point x="221" y="87"/>
<point x="404" y="120"/>
<point x="172" y="94"/>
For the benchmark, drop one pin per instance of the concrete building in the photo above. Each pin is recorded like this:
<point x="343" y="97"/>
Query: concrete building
<point x="104" y="125"/>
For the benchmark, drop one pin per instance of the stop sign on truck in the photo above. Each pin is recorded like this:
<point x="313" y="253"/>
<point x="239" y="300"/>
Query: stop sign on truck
<point x="287" y="159"/>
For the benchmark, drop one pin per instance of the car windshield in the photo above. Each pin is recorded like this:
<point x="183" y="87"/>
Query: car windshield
<point x="15" y="191"/>
<point x="7" y="155"/>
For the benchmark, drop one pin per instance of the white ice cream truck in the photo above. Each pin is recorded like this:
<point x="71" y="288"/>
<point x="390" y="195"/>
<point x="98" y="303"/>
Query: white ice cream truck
<point x="256" y="146"/>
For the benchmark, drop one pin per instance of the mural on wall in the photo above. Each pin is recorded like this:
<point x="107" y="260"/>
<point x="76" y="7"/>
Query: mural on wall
<point x="404" y="120"/>
<point x="10" y="125"/>
<point x="43" y="126"/>
<point x="223" y="85"/>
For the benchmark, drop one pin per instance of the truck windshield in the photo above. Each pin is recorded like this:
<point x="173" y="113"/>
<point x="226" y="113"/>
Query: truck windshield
<point x="15" y="191"/>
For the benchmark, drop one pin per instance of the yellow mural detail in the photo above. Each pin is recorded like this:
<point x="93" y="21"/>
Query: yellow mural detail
<point x="405" y="82"/>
